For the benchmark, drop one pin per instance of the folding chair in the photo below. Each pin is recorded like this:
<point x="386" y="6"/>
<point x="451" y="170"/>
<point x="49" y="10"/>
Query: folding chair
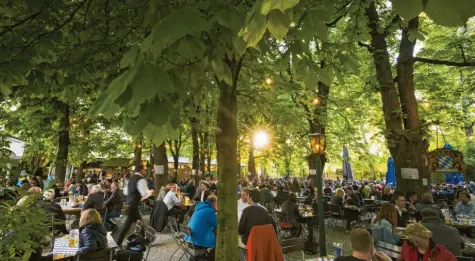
<point x="336" y="214"/>
<point x="284" y="226"/>
<point x="150" y="235"/>
<point x="192" y="251"/>
<point x="177" y="237"/>
<point x="292" y="245"/>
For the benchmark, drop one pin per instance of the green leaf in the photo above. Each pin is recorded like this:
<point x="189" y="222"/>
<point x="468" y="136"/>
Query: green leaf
<point x="323" y="15"/>
<point x="311" y="79"/>
<point x="150" y="80"/>
<point x="312" y="26"/>
<point x="222" y="71"/>
<point x="282" y="5"/>
<point x="450" y="13"/>
<point x="129" y="58"/>
<point x="408" y="9"/>
<point x="329" y="6"/>
<point x="239" y="45"/>
<point x="230" y="18"/>
<point x="252" y="33"/>
<point x="325" y="75"/>
<point x="278" y="23"/>
<point x="105" y="102"/>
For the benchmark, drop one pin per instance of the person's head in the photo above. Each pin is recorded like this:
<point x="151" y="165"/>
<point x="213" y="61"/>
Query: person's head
<point x="95" y="189"/>
<point x="48" y="195"/>
<point x="105" y="187"/>
<point x="245" y="195"/>
<point x="203" y="186"/>
<point x="388" y="212"/>
<point x="349" y="191"/>
<point x="140" y="169"/>
<point x="213" y="200"/>
<point x="114" y="186"/>
<point x="362" y="243"/>
<point x="173" y="188"/>
<point x="399" y="200"/>
<point x="419" y="235"/>
<point x="254" y="196"/>
<point x="292" y="198"/>
<point x="411" y="196"/>
<point x="340" y="193"/>
<point x="464" y="197"/>
<point x="387" y="190"/>
<point x="426" y="198"/>
<point x="429" y="212"/>
<point x="89" y="216"/>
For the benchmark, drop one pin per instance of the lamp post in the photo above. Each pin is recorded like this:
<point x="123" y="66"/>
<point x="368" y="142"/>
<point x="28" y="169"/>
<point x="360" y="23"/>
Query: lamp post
<point x="317" y="142"/>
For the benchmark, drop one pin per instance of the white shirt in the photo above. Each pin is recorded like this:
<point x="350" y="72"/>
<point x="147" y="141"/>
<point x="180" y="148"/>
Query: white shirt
<point x="202" y="196"/>
<point x="399" y="210"/>
<point x="171" y="200"/>
<point x="142" y="186"/>
<point x="241" y="207"/>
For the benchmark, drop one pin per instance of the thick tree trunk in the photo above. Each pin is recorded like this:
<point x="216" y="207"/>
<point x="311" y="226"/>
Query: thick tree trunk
<point x="406" y="145"/>
<point x="160" y="159"/>
<point x="226" y="142"/>
<point x="63" y="142"/>
<point x="203" y="148"/>
<point x="138" y="151"/>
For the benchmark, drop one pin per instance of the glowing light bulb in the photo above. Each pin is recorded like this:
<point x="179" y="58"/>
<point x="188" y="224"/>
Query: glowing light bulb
<point x="316" y="101"/>
<point x="268" y="81"/>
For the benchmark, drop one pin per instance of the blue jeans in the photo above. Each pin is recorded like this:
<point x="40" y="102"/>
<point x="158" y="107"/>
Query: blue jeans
<point x="111" y="214"/>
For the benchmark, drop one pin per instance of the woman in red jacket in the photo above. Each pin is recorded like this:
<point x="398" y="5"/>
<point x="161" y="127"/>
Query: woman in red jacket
<point x="422" y="248"/>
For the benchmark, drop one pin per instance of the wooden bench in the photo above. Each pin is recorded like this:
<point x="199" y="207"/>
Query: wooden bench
<point x="390" y="250"/>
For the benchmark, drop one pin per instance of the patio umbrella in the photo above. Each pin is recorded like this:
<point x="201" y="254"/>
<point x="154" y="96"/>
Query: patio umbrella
<point x="391" y="174"/>
<point x="347" y="170"/>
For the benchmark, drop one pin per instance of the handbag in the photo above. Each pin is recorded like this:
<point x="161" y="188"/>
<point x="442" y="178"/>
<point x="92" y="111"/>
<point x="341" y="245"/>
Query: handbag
<point x="136" y="243"/>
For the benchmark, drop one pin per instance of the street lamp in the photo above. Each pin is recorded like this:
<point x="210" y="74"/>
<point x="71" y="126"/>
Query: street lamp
<point x="317" y="141"/>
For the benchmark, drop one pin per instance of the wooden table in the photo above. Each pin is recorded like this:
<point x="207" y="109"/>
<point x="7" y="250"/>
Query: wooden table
<point x="62" y="249"/>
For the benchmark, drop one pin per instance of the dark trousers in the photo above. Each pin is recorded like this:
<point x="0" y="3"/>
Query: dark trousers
<point x="111" y="214"/>
<point x="133" y="215"/>
<point x="177" y="212"/>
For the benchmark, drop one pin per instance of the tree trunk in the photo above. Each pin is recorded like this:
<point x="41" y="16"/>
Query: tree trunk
<point x="138" y="151"/>
<point x="81" y="168"/>
<point x="196" y="149"/>
<point x="226" y="142"/>
<point x="203" y="148"/>
<point x="160" y="158"/>
<point x="63" y="142"/>
<point x="251" y="163"/>
<point x="404" y="136"/>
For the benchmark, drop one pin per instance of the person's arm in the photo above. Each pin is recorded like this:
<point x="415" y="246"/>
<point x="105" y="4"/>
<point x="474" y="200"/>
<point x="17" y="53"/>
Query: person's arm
<point x="458" y="208"/>
<point x="89" y="243"/>
<point x="113" y="197"/>
<point x="175" y="199"/>
<point x="213" y="222"/>
<point x="89" y="202"/>
<point x="143" y="189"/>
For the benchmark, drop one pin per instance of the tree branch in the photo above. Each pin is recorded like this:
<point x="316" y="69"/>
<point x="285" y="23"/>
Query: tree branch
<point x="8" y="28"/>
<point x="367" y="46"/>
<point x="440" y="62"/>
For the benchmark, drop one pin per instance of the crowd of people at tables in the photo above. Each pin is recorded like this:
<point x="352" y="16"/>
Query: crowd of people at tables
<point x="105" y="199"/>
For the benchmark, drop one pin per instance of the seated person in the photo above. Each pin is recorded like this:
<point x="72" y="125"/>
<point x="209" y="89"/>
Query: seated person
<point x="291" y="209"/>
<point x="55" y="209"/>
<point x="428" y="202"/>
<point x="402" y="213"/>
<point x="81" y="189"/>
<point x="203" y="194"/>
<point x="422" y="247"/>
<point x="113" y="205"/>
<point x="351" y="198"/>
<point x="253" y="215"/>
<point x="387" y="195"/>
<point x="411" y="201"/>
<point x="95" y="200"/>
<point x="465" y="206"/>
<point x="339" y="198"/>
<point x="442" y="234"/>
<point x="266" y="195"/>
<point x="172" y="203"/>
<point x="383" y="227"/>
<point x="92" y="234"/>
<point x="362" y="247"/>
<point x="203" y="225"/>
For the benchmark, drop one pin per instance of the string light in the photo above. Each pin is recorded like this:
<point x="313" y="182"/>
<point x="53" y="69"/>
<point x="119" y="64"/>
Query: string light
<point x="316" y="101"/>
<point x="268" y="81"/>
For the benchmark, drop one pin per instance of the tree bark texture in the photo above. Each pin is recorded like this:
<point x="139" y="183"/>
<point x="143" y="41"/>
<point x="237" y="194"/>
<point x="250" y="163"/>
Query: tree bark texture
<point x="226" y="142"/>
<point x="63" y="142"/>
<point x="138" y="151"/>
<point x="403" y="127"/>
<point x="160" y="158"/>
<point x="251" y="163"/>
<point x="194" y="122"/>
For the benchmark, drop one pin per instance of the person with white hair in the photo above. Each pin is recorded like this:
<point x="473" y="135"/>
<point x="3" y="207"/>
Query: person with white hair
<point x="55" y="209"/>
<point x="95" y="200"/>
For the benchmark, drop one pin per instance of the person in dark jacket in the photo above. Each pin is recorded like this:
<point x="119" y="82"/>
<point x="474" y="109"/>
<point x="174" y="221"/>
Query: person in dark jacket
<point x="266" y="195"/>
<point x="81" y="188"/>
<point x="442" y="234"/>
<point x="113" y="205"/>
<point x="95" y="200"/>
<point x="203" y="225"/>
<point x="57" y="212"/>
<point x="253" y="215"/>
<point x="290" y="208"/>
<point x="159" y="216"/>
<point x="203" y="193"/>
<point x="351" y="198"/>
<point x="402" y="212"/>
<point x="92" y="234"/>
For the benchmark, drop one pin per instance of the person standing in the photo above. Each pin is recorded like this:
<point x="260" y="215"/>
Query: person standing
<point x="137" y="191"/>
